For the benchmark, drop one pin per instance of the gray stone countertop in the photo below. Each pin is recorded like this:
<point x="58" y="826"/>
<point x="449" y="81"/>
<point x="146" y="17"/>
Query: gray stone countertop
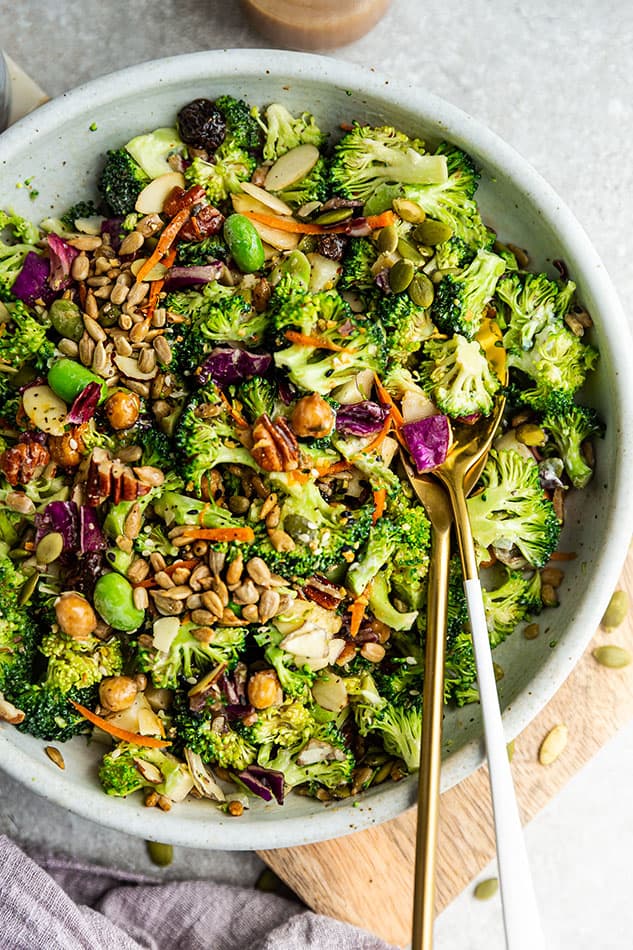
<point x="554" y="79"/>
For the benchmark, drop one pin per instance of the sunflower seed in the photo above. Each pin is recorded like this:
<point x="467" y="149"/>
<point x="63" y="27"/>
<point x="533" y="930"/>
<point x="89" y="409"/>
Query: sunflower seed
<point x="163" y="580"/>
<point x="234" y="570"/>
<point x="204" y="618"/>
<point x="55" y="756"/>
<point x="213" y="603"/>
<point x="131" y="243"/>
<point x="133" y="521"/>
<point x="80" y="267"/>
<point x="137" y="294"/>
<point x="140" y="598"/>
<point x="86" y="349"/>
<point x="246" y="593"/>
<point x="163" y="350"/>
<point x="268" y="605"/>
<point x="258" y="570"/>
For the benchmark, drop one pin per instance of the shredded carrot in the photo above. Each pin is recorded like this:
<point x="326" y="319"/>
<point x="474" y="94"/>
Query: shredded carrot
<point x="165" y="241"/>
<point x="282" y="223"/>
<point x="219" y="534"/>
<point x="232" y="411"/>
<point x="342" y="466"/>
<point x="380" y="500"/>
<point x="357" y="611"/>
<point x="380" y="438"/>
<point x="116" y="731"/>
<point x="303" y="339"/>
<point x="299" y="478"/>
<point x="386" y="400"/>
<point x="190" y="564"/>
<point x="563" y="556"/>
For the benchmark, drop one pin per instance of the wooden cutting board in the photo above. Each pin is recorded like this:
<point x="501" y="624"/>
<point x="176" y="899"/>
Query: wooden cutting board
<point x="367" y="878"/>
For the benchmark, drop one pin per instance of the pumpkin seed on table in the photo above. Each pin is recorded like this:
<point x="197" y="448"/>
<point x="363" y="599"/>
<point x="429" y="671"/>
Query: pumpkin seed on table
<point x="553" y="744"/>
<point x="612" y="656"/>
<point x="486" y="889"/>
<point x="400" y="276"/>
<point x="616" y="612"/>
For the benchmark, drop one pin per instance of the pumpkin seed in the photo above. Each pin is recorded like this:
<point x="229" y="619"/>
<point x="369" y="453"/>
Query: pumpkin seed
<point x="510" y="750"/>
<point x="616" y="612"/>
<point x="433" y="232"/>
<point x="529" y="434"/>
<point x="612" y="656"/>
<point x="486" y="889"/>
<point x="28" y="589"/>
<point x="160" y="854"/>
<point x="400" y="276"/>
<point x="49" y="548"/>
<point x="421" y="291"/>
<point x="409" y="251"/>
<point x="334" y="216"/>
<point x="409" y="210"/>
<point x="532" y="631"/>
<point x="553" y="744"/>
<point x="387" y="240"/>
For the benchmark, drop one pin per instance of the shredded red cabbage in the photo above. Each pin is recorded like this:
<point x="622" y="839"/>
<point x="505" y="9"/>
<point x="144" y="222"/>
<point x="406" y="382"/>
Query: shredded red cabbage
<point x="428" y="441"/>
<point x="61" y="254"/>
<point x="113" y="227"/>
<point x="31" y="284"/>
<point x="84" y="405"/>
<point x="361" y="418"/>
<point x="60" y="516"/>
<point x="91" y="537"/>
<point x="264" y="782"/>
<point x="229" y="364"/>
<point x="179" y="277"/>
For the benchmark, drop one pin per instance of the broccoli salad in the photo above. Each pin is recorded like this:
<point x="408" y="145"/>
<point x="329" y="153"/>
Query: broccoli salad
<point x="209" y="557"/>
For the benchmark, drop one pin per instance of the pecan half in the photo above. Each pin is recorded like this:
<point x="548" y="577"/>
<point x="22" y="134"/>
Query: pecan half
<point x="108" y="479"/>
<point x="275" y="447"/>
<point x="24" y="461"/>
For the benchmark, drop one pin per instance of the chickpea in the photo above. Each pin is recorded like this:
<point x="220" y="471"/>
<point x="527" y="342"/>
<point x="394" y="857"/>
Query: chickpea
<point x="122" y="409"/>
<point x="159" y="698"/>
<point x="312" y="417"/>
<point x="66" y="449"/>
<point x="264" y="689"/>
<point x="75" y="616"/>
<point x="117" y="692"/>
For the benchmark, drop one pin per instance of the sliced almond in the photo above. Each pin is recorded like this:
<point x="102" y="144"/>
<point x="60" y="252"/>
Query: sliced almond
<point x="324" y="273"/>
<point x="281" y="240"/>
<point x="157" y="272"/>
<point x="91" y="225"/>
<point x="129" y="367"/>
<point x="312" y="644"/>
<point x="291" y="167"/>
<point x="244" y="203"/>
<point x="149" y="771"/>
<point x="152" y="198"/>
<point x="260" y="194"/>
<point x="329" y="692"/>
<point x="148" y="723"/>
<point x="165" y="631"/>
<point x="45" y="409"/>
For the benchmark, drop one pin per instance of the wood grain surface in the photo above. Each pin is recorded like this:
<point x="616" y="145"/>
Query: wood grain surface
<point x="594" y="702"/>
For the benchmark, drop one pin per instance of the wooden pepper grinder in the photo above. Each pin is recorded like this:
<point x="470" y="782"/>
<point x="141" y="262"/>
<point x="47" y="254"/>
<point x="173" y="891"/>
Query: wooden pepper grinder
<point x="314" y="24"/>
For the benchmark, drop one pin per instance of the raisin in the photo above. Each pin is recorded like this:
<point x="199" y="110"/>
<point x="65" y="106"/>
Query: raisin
<point x="202" y="125"/>
<point x="332" y="246"/>
<point x="206" y="222"/>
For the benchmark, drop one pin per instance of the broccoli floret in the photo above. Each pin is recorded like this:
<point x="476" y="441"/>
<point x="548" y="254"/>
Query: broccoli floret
<point x="460" y="670"/>
<point x="349" y="344"/>
<point x="383" y="609"/>
<point x="24" y="339"/>
<point x="283" y="131"/>
<point x="222" y="176"/>
<point x="321" y="531"/>
<point x="121" y="181"/>
<point x="400" y="728"/>
<point x="517" y="597"/>
<point x="18" y="632"/>
<point x="128" y="768"/>
<point x="206" y="440"/>
<point x="569" y="429"/>
<point x="79" y="664"/>
<point x="188" y="657"/>
<point x="406" y="325"/>
<point x="177" y="509"/>
<point x="360" y="256"/>
<point x="23" y="231"/>
<point x="257" y="396"/>
<point x="193" y="253"/>
<point x="83" y="209"/>
<point x="367" y="157"/>
<point x="527" y="303"/>
<point x="286" y="726"/>
<point x="335" y="766"/>
<point x="453" y="253"/>
<point x="451" y="200"/>
<point x="461" y="299"/>
<point x="49" y="715"/>
<point x="295" y="681"/>
<point x="228" y="749"/>
<point x="512" y="510"/>
<point x="241" y="124"/>
<point x="313" y="187"/>
<point x="383" y="541"/>
<point x="458" y="377"/>
<point x="156" y="446"/>
<point x="557" y="366"/>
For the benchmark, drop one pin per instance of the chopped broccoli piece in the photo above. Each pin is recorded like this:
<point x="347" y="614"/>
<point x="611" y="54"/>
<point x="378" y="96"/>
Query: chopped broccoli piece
<point x="383" y="541"/>
<point x="22" y="230"/>
<point x="360" y="256"/>
<point x="177" y="509"/>
<point x="512" y="510"/>
<point x="557" y="366"/>
<point x="79" y="664"/>
<point x="156" y="446"/>
<point x="193" y="253"/>
<point x="241" y="124"/>
<point x="83" y="209"/>
<point x="461" y="299"/>
<point x="406" y="325"/>
<point x="18" y="632"/>
<point x="195" y="731"/>
<point x="367" y="157"/>
<point x="383" y="609"/>
<point x="121" y="181"/>
<point x="286" y="726"/>
<point x="24" y="339"/>
<point x="222" y="176"/>
<point x="458" y="377"/>
<point x="128" y="768"/>
<point x="569" y="428"/>
<point x="151" y="150"/>
<point x="517" y="597"/>
<point x="460" y="670"/>
<point x="188" y="657"/>
<point x="312" y="187"/>
<point x="284" y="131"/>
<point x="257" y="396"/>
<point x="453" y="253"/>
<point x="527" y="303"/>
<point x="334" y="767"/>
<point x="457" y="611"/>
<point x="48" y="714"/>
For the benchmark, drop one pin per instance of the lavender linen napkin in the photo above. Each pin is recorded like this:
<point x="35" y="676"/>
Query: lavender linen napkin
<point x="62" y="905"/>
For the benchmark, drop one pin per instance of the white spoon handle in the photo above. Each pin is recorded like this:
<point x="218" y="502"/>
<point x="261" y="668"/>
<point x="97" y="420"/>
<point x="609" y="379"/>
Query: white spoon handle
<point x="520" y="911"/>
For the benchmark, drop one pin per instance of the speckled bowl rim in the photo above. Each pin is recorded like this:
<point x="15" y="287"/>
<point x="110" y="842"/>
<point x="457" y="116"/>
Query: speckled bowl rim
<point x="388" y="802"/>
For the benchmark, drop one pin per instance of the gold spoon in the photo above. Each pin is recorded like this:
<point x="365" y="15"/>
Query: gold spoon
<point x="470" y="448"/>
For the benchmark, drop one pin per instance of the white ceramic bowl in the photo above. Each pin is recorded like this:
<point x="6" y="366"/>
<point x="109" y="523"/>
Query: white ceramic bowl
<point x="57" y="148"/>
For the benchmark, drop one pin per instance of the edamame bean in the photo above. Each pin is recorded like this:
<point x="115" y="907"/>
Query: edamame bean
<point x="244" y="243"/>
<point x="114" y="602"/>
<point x="66" y="319"/>
<point x="298" y="266"/>
<point x="67" y="379"/>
